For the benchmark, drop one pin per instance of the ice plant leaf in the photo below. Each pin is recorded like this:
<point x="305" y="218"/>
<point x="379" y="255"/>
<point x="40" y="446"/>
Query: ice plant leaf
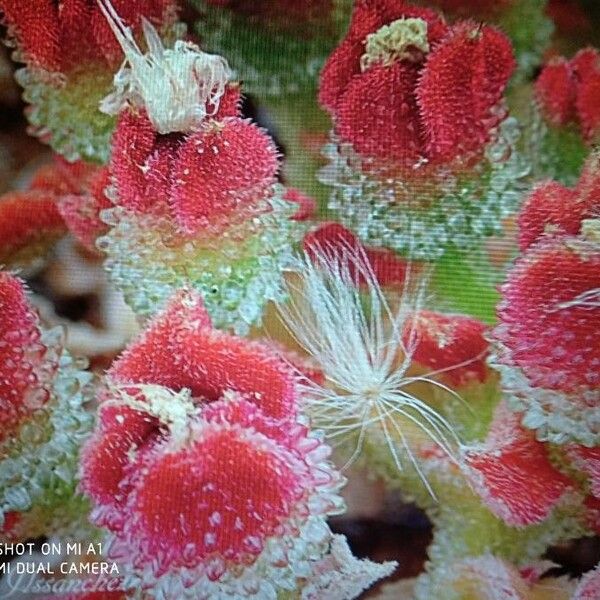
<point x="44" y="420"/>
<point x="36" y="28"/>
<point x="547" y="323"/>
<point x="378" y="113"/>
<point x="550" y="208"/>
<point x="198" y="206"/>
<point x="190" y="354"/>
<point x="462" y="82"/>
<point x="422" y="146"/>
<point x="30" y="222"/>
<point x="453" y="345"/>
<point x="512" y="473"/>
<point x="23" y="373"/>
<point x="555" y="91"/>
<point x="220" y="170"/>
<point x="553" y="209"/>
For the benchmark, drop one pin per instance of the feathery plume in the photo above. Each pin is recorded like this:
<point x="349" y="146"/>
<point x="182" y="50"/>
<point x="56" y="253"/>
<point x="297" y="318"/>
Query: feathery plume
<point x="364" y="349"/>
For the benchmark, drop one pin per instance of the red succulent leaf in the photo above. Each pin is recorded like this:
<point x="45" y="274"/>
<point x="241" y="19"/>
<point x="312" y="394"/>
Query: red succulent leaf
<point x="81" y="212"/>
<point x="378" y="113"/>
<point x="133" y="142"/>
<point x="512" y="473"/>
<point x="228" y="491"/>
<point x="307" y="206"/>
<point x="461" y="85"/>
<point x="75" y="17"/>
<point x="368" y="16"/>
<point x="56" y="35"/>
<point x="150" y="358"/>
<point x="588" y="104"/>
<point x="22" y="363"/>
<point x="108" y="456"/>
<point x="585" y="63"/>
<point x="179" y="350"/>
<point x="226" y="166"/>
<point x="341" y="66"/>
<point x="555" y="91"/>
<point x="547" y="325"/>
<point x="452" y="344"/>
<point x="553" y="209"/>
<point x="335" y="241"/>
<point x="215" y="362"/>
<point x="570" y="90"/>
<point x="28" y="219"/>
<point x="35" y="27"/>
<point x="209" y="491"/>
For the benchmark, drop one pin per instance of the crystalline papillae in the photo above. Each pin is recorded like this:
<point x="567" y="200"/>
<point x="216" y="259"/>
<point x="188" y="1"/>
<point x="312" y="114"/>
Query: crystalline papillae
<point x="49" y="392"/>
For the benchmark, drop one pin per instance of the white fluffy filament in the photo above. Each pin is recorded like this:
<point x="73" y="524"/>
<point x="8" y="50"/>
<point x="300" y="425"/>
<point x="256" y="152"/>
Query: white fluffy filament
<point x="365" y="350"/>
<point x="179" y="87"/>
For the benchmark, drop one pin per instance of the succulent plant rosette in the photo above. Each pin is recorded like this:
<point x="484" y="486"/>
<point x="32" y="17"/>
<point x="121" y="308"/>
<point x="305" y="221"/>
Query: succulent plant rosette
<point x="196" y="201"/>
<point x="422" y="156"/>
<point x="70" y="57"/>
<point x="547" y="344"/>
<point x="298" y="33"/>
<point x="526" y="22"/>
<point x="44" y="395"/>
<point x="208" y="480"/>
<point x="567" y="94"/>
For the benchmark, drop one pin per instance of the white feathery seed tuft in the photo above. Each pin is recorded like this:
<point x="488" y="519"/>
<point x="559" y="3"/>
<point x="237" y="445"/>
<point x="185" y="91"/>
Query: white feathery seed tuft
<point x="357" y="339"/>
<point x="179" y="87"/>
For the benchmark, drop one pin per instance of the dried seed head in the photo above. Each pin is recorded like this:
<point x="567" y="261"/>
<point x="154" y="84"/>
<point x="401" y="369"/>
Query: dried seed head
<point x="403" y="39"/>
<point x="178" y="87"/>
